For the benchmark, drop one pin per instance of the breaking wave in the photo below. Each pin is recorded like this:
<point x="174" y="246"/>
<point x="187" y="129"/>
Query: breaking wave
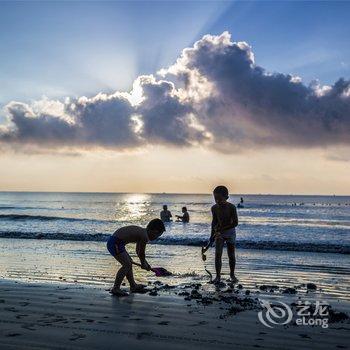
<point x="26" y="217"/>
<point x="192" y="241"/>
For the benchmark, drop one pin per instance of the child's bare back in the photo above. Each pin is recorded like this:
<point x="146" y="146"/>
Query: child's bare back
<point x="132" y="234"/>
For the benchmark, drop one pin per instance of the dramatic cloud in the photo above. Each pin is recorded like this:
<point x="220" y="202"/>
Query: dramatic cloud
<point x="165" y="117"/>
<point x="214" y="95"/>
<point x="252" y="107"/>
<point x="103" y="120"/>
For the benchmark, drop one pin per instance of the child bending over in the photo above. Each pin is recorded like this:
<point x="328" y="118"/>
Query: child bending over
<point x="116" y="246"/>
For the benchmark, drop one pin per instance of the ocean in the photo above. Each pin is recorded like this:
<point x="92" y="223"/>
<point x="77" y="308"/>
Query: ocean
<point x="279" y="222"/>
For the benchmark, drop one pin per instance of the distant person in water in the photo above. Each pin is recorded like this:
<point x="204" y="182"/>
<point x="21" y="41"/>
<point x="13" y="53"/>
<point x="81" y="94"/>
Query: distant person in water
<point x="116" y="246"/>
<point x="185" y="217"/>
<point x="224" y="221"/>
<point x="241" y="203"/>
<point x="165" y="214"/>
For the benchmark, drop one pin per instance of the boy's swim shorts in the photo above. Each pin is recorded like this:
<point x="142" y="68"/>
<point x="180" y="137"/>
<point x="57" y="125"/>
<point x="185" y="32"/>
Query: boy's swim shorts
<point x="115" y="245"/>
<point x="229" y="236"/>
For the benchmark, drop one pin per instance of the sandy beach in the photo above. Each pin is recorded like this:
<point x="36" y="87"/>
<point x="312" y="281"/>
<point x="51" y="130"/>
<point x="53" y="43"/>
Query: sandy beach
<point x="36" y="316"/>
<point x="54" y="295"/>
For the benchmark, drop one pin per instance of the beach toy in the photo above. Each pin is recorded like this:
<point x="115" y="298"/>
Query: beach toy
<point x="158" y="271"/>
<point x="204" y="258"/>
<point x="161" y="271"/>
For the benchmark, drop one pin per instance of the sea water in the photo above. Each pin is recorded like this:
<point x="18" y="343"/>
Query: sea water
<point x="283" y="222"/>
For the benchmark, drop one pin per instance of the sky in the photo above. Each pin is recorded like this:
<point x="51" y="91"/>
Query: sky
<point x="175" y="96"/>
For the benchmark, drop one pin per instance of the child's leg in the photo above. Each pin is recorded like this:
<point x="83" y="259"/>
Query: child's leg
<point x="130" y="277"/>
<point x="231" y="258"/>
<point x="219" y="245"/>
<point x="134" y="287"/>
<point x="125" y="270"/>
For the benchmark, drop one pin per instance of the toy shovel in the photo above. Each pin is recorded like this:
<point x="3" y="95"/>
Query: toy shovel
<point x="158" y="271"/>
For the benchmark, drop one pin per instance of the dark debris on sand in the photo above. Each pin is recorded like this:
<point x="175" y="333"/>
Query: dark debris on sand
<point x="268" y="288"/>
<point x="289" y="291"/>
<point x="233" y="299"/>
<point x="228" y="297"/>
<point x="333" y="316"/>
<point x="337" y="316"/>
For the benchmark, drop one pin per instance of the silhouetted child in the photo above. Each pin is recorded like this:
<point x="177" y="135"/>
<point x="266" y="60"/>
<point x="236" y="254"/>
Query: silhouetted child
<point x="165" y="214"/>
<point x="185" y="217"/>
<point x="223" y="230"/>
<point x="116" y="246"/>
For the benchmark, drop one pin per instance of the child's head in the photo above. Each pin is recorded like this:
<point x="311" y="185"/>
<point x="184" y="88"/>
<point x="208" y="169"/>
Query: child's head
<point x="184" y="209"/>
<point x="220" y="194"/>
<point x="155" y="228"/>
<point x="165" y="207"/>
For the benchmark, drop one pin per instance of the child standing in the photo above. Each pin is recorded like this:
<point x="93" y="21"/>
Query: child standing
<point x="116" y="246"/>
<point x="224" y="221"/>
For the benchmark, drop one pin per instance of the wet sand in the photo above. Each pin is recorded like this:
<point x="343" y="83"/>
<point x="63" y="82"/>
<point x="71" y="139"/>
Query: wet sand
<point x="53" y="296"/>
<point x="35" y="316"/>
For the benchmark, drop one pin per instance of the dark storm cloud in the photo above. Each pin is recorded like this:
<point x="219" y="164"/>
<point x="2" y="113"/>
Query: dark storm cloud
<point x="254" y="107"/>
<point x="31" y="128"/>
<point x="103" y="121"/>
<point x="214" y="94"/>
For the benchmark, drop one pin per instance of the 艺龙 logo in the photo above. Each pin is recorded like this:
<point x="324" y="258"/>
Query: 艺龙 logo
<point x="273" y="314"/>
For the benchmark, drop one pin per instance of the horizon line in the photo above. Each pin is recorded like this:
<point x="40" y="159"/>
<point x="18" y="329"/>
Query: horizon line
<point x="179" y="193"/>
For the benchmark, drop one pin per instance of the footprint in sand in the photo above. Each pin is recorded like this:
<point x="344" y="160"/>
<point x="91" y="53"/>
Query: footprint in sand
<point x="198" y="324"/>
<point x="23" y="303"/>
<point x="163" y="323"/>
<point x="304" y="336"/>
<point x="11" y="309"/>
<point x="143" y="334"/>
<point x="20" y="316"/>
<point x="12" y="334"/>
<point x="76" y="336"/>
<point x="29" y="327"/>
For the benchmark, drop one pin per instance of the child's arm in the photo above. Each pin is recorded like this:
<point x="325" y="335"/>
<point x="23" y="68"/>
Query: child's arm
<point x="214" y="223"/>
<point x="235" y="217"/>
<point x="141" y="253"/>
<point x="179" y="217"/>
